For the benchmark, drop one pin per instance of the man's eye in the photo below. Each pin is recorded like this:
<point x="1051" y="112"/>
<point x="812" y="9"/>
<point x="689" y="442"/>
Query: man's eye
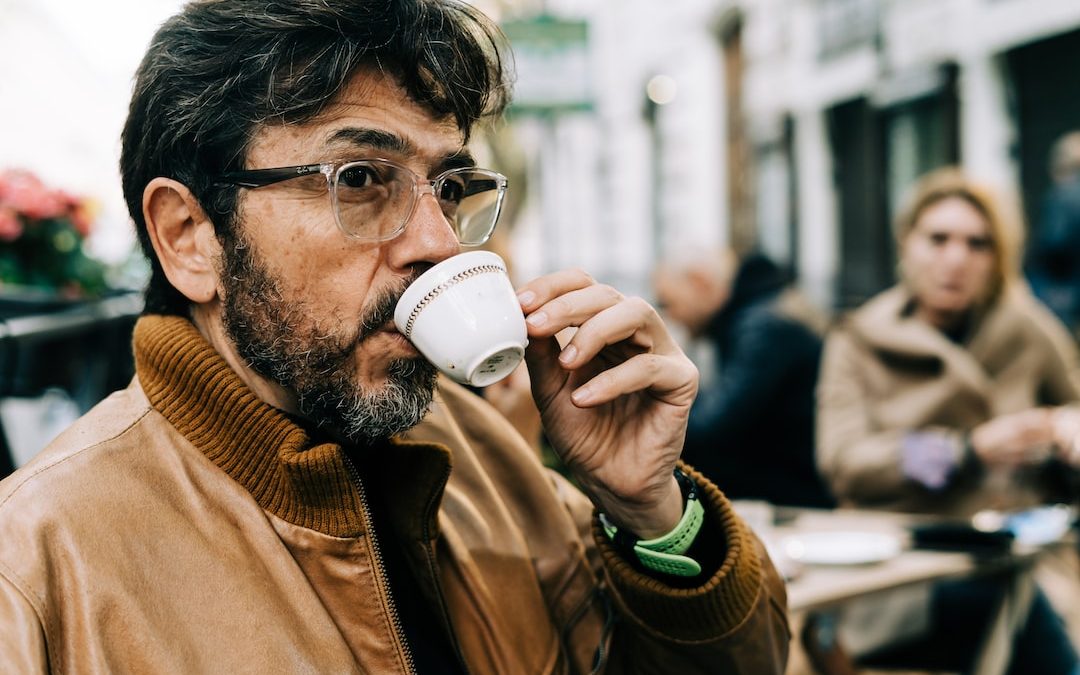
<point x="452" y="191"/>
<point x="359" y="177"/>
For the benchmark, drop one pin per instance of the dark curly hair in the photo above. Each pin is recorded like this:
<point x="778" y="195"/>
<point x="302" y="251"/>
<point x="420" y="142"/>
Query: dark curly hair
<point x="220" y="69"/>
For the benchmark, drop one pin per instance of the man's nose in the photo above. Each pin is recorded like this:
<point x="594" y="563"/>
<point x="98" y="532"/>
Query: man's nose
<point x="429" y="236"/>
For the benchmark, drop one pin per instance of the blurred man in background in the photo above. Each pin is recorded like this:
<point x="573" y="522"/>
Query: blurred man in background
<point x="1053" y="265"/>
<point x="752" y="427"/>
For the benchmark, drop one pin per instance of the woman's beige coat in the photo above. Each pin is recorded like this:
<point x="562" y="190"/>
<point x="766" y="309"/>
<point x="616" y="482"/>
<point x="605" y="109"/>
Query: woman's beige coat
<point x="886" y="374"/>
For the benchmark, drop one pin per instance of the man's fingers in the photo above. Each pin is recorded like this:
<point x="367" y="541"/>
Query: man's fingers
<point x="597" y="317"/>
<point x="603" y="317"/>
<point x="632" y="320"/>
<point x="570" y="298"/>
<point x="550" y="286"/>
<point x="571" y="309"/>
<point x="670" y="378"/>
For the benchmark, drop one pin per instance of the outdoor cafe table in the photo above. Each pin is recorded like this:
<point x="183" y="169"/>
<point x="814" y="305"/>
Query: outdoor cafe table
<point x="828" y="588"/>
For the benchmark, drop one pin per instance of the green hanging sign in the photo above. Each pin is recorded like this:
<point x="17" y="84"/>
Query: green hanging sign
<point x="552" y="60"/>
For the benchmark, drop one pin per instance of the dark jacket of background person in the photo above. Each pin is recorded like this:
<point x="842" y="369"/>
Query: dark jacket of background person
<point x="203" y="501"/>
<point x="1053" y="264"/>
<point x="752" y="429"/>
<point x="1053" y="257"/>
<point x="886" y="374"/>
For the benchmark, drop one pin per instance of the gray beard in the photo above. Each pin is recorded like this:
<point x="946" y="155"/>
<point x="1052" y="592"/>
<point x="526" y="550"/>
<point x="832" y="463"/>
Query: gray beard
<point x="280" y="341"/>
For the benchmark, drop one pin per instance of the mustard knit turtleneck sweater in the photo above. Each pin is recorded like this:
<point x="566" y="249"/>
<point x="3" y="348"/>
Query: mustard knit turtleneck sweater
<point x="257" y="445"/>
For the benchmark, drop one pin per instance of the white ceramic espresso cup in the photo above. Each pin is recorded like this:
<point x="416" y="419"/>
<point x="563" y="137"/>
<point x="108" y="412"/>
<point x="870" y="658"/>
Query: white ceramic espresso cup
<point x="464" y="317"/>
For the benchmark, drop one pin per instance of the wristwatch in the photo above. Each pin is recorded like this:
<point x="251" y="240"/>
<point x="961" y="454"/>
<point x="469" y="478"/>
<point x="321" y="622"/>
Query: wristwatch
<point x="664" y="554"/>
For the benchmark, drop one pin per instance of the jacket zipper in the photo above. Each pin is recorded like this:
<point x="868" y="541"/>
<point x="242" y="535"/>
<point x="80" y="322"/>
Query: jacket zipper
<point x="429" y="555"/>
<point x="380" y="569"/>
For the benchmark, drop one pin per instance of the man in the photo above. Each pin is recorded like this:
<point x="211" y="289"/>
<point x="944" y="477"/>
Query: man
<point x="752" y="426"/>
<point x="261" y="499"/>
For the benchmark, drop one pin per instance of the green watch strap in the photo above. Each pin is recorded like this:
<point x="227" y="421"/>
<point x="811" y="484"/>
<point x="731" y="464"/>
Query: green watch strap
<point x="664" y="554"/>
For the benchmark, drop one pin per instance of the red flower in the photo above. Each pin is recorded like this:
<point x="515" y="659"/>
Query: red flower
<point x="83" y="214"/>
<point x="10" y="226"/>
<point x="26" y="194"/>
<point x="41" y="232"/>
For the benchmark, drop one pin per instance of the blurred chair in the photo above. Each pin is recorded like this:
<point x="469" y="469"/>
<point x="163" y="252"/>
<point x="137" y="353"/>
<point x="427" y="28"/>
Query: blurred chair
<point x="83" y="348"/>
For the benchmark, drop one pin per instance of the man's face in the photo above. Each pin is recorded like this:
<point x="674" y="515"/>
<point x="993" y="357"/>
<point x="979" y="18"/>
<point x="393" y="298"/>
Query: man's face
<point x="679" y="299"/>
<point x="948" y="257"/>
<point x="692" y="295"/>
<point x="311" y="309"/>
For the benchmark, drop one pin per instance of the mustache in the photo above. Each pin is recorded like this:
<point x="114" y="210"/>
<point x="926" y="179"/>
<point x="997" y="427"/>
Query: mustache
<point x="381" y="311"/>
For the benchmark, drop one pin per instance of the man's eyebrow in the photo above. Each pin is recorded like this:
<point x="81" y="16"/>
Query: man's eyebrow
<point x="376" y="139"/>
<point x="457" y="160"/>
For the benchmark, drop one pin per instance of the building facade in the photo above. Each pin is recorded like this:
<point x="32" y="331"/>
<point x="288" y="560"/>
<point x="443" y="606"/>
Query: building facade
<point x="794" y="126"/>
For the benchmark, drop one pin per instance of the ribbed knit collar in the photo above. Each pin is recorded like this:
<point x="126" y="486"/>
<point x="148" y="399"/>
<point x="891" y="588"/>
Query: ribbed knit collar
<point x="289" y="475"/>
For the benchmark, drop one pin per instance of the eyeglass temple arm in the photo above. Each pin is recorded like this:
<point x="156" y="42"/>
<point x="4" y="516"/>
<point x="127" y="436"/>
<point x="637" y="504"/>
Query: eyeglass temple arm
<point x="483" y="185"/>
<point x="255" y="178"/>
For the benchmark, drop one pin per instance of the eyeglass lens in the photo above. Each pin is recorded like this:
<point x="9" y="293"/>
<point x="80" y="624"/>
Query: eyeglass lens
<point x="375" y="199"/>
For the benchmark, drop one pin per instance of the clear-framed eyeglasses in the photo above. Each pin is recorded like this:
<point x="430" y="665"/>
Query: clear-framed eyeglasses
<point x="374" y="199"/>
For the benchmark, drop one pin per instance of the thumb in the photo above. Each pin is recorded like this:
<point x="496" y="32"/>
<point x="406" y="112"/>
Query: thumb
<point x="546" y="375"/>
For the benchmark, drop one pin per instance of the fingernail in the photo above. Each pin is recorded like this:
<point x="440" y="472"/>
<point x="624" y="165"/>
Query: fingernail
<point x="582" y="396"/>
<point x="526" y="297"/>
<point x="569" y="354"/>
<point x="537" y="319"/>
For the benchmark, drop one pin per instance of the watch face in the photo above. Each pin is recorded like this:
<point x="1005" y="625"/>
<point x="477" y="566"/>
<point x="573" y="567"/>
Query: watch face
<point x="686" y="484"/>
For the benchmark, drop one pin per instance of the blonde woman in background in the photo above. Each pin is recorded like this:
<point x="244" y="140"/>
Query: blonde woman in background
<point x="951" y="392"/>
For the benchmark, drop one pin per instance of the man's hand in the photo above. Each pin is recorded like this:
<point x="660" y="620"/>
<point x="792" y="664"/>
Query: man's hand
<point x="614" y="400"/>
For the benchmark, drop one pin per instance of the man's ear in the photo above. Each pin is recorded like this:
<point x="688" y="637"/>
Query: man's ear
<point x="183" y="238"/>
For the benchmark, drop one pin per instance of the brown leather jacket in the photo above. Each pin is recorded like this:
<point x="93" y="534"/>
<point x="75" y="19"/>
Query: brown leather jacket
<point x="184" y="526"/>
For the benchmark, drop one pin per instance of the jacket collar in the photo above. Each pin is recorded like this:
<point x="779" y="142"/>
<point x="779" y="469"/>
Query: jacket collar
<point x="298" y="479"/>
<point x="888" y="325"/>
